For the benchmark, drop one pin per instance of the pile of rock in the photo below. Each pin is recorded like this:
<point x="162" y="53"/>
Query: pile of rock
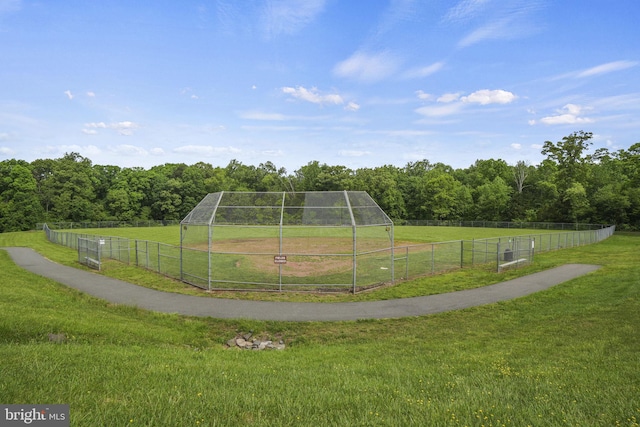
<point x="248" y="342"/>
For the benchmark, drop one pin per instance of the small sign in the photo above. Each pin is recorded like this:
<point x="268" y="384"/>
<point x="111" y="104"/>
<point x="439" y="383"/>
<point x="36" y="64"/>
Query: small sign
<point x="279" y="259"/>
<point x="102" y="241"/>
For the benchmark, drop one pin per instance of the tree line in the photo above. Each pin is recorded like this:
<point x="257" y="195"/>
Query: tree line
<point x="569" y="185"/>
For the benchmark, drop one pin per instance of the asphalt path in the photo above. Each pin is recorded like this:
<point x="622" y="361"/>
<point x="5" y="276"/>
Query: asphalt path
<point x="120" y="292"/>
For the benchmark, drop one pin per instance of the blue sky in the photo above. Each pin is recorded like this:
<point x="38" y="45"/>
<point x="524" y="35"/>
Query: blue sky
<point x="359" y="83"/>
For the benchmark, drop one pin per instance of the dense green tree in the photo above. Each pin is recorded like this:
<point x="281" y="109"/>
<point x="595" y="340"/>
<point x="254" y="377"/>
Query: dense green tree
<point x="382" y="185"/>
<point x="20" y="207"/>
<point x="73" y="184"/>
<point x="484" y="172"/>
<point x="575" y="198"/>
<point x="42" y="170"/>
<point x="492" y="200"/>
<point x="166" y="200"/>
<point x="569" y="155"/>
<point x="317" y="177"/>
<point x="568" y="185"/>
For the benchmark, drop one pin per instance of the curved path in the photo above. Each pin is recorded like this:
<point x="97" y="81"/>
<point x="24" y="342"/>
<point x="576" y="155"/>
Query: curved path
<point x="120" y="292"/>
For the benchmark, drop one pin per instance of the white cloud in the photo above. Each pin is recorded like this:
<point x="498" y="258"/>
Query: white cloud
<point x="485" y="97"/>
<point x="99" y="125"/>
<point x="424" y="96"/>
<point x="312" y="95"/>
<point x="609" y="67"/>
<point x="454" y="102"/>
<point x="6" y="151"/>
<point x="187" y="91"/>
<point x="448" y="97"/>
<point x="569" y="114"/>
<point x="69" y="94"/>
<point x="440" y="110"/>
<point x="516" y="146"/>
<point x="352" y="106"/>
<point x="157" y="151"/>
<point x="91" y="94"/>
<point x="367" y="68"/>
<point x="125" y="128"/>
<point x="289" y="16"/>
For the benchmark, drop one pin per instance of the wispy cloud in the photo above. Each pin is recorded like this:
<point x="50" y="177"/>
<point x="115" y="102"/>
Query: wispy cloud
<point x="260" y="115"/>
<point x="609" y="67"/>
<point x="289" y="16"/>
<point x="6" y="151"/>
<point x="352" y="106"/>
<point x="125" y="128"/>
<point x="423" y="95"/>
<point x="567" y="115"/>
<point x="440" y="110"/>
<point x="313" y="95"/>
<point x="367" y="67"/>
<point x="425" y="71"/>
<point x="493" y="20"/>
<point x="465" y="10"/>
<point x="398" y="12"/>
<point x="69" y="94"/>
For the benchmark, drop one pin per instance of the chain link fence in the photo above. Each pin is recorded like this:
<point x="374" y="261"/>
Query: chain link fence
<point x="116" y="248"/>
<point x="195" y="266"/>
<point x="89" y="253"/>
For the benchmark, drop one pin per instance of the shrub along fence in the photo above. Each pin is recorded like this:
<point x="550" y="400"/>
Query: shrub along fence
<point x="410" y="261"/>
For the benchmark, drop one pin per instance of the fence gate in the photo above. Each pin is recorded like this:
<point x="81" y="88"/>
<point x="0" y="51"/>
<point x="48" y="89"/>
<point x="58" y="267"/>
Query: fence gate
<point x="515" y="251"/>
<point x="89" y="252"/>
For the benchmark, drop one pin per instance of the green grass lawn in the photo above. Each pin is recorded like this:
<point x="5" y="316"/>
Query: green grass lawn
<point x="566" y="356"/>
<point x="414" y="234"/>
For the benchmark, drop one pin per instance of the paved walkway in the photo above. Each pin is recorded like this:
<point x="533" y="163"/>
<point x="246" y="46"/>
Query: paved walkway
<point x="120" y="292"/>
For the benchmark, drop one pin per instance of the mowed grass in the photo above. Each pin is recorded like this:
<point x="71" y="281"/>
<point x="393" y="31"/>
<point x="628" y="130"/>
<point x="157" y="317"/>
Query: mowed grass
<point x="403" y="234"/>
<point x="566" y="356"/>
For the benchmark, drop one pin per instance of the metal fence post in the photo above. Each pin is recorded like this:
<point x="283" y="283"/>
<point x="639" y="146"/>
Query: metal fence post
<point x="433" y="261"/>
<point x="406" y="263"/>
<point x="473" y="252"/>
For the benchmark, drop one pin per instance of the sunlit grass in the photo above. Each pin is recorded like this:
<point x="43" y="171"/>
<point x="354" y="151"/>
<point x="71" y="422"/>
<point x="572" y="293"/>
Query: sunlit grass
<point x="566" y="356"/>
